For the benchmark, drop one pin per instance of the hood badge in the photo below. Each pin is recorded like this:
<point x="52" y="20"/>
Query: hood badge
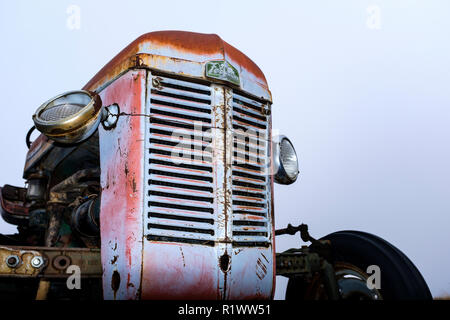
<point x="222" y="70"/>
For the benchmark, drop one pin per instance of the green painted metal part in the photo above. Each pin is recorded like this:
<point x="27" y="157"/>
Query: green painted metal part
<point x="222" y="70"/>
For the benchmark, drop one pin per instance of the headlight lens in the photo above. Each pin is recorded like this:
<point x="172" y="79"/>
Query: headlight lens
<point x="286" y="162"/>
<point x="70" y="117"/>
<point x="61" y="110"/>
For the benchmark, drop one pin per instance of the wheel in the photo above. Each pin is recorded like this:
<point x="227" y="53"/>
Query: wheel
<point x="353" y="252"/>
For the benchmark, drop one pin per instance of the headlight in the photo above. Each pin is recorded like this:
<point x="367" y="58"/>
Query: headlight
<point x="285" y="161"/>
<point x="70" y="117"/>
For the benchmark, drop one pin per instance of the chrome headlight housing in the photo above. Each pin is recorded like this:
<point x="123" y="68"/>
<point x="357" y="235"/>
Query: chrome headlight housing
<point x="70" y="117"/>
<point x="285" y="161"/>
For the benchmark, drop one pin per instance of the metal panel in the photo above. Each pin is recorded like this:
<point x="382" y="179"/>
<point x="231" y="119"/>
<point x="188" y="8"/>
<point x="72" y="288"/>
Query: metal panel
<point x="196" y="224"/>
<point x="182" y="53"/>
<point x="185" y="219"/>
<point x="251" y="275"/>
<point x="202" y="203"/>
<point x="121" y="160"/>
<point x="179" y="195"/>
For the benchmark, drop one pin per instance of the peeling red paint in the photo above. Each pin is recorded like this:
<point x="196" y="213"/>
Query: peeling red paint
<point x="187" y="43"/>
<point x="121" y="153"/>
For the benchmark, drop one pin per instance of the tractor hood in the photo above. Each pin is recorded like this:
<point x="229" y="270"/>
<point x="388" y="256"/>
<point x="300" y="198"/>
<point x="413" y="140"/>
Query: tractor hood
<point x="183" y="53"/>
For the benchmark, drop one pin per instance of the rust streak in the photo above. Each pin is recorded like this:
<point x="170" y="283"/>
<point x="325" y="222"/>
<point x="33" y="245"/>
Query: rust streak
<point x="188" y="43"/>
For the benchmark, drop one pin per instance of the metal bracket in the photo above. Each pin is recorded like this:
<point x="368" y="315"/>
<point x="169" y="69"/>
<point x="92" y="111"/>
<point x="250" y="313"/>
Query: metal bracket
<point x="307" y="261"/>
<point x="20" y="262"/>
<point x="321" y="247"/>
<point x="303" y="263"/>
<point x="297" y="261"/>
<point x="290" y="229"/>
<point x="46" y="262"/>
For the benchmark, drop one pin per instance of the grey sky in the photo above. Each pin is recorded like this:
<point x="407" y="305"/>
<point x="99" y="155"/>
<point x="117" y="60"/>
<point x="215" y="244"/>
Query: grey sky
<point x="367" y="109"/>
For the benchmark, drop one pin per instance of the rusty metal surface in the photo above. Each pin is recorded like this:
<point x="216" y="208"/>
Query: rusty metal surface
<point x="135" y="263"/>
<point x="55" y="262"/>
<point x="23" y="256"/>
<point x="162" y="238"/>
<point x="180" y="271"/>
<point x="59" y="259"/>
<point x="13" y="210"/>
<point x="252" y="273"/>
<point x="52" y="232"/>
<point x="272" y="205"/>
<point x="38" y="149"/>
<point x="183" y="53"/>
<point x="63" y="192"/>
<point x="177" y="52"/>
<point x="142" y="254"/>
<point x="297" y="263"/>
<point x="121" y="214"/>
<point x="181" y="260"/>
<point x="44" y="153"/>
<point x="177" y="265"/>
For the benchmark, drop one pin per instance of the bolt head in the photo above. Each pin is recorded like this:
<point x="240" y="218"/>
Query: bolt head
<point x="37" y="262"/>
<point x="12" y="261"/>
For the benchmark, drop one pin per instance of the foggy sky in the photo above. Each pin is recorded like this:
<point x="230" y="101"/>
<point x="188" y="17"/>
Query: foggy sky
<point x="366" y="105"/>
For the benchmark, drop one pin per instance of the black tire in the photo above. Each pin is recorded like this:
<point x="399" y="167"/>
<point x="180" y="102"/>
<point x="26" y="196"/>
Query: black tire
<point x="400" y="279"/>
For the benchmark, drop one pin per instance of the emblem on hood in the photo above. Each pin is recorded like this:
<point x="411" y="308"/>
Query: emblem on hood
<point x="222" y="70"/>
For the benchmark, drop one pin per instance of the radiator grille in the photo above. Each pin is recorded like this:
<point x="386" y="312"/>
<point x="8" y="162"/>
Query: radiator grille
<point x="250" y="188"/>
<point x="180" y="190"/>
<point x="181" y="194"/>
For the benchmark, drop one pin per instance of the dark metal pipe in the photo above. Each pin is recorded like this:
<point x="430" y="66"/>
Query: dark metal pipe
<point x="86" y="218"/>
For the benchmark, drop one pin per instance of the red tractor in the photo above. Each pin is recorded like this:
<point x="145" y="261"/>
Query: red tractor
<point x="155" y="181"/>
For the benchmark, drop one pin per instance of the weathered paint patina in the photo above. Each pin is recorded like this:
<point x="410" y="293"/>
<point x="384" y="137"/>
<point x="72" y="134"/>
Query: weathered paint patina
<point x="177" y="52"/>
<point x="182" y="53"/>
<point x="121" y="161"/>
<point x="135" y="266"/>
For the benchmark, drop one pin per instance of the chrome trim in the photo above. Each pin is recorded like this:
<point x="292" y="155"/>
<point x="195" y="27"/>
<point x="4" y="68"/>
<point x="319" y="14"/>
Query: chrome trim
<point x="74" y="128"/>
<point x="281" y="176"/>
